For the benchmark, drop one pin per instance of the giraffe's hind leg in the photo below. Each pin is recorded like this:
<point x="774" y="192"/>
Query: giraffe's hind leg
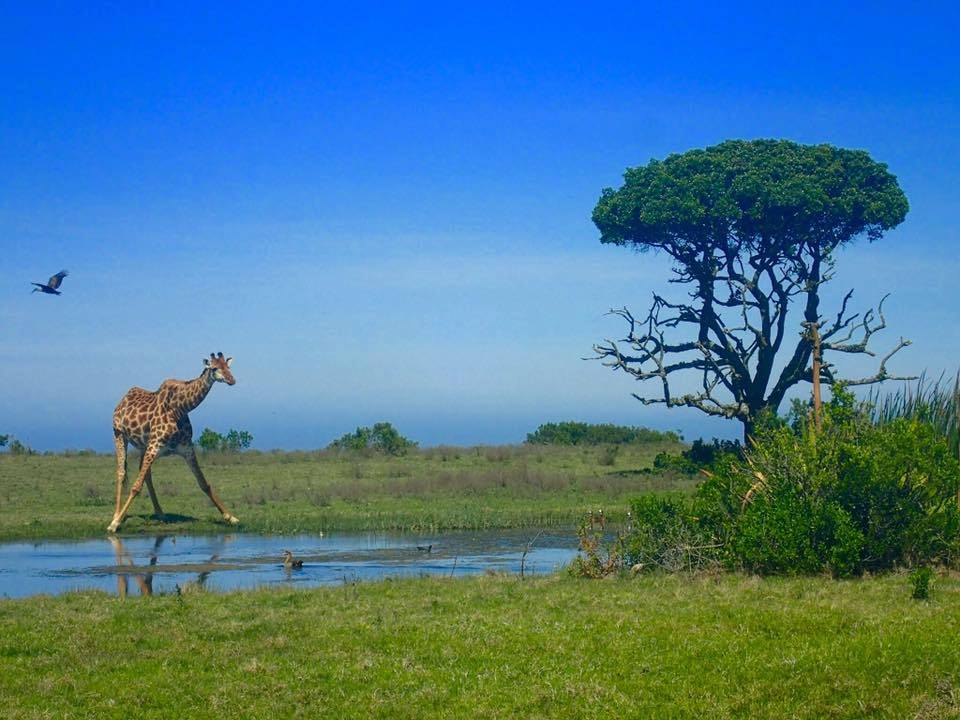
<point x="148" y="479"/>
<point x="190" y="455"/>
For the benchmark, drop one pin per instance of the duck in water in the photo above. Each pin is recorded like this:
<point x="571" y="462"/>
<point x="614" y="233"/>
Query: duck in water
<point x="289" y="563"/>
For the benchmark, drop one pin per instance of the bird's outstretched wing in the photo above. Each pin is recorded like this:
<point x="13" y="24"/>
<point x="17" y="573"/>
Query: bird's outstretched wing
<point x="55" y="280"/>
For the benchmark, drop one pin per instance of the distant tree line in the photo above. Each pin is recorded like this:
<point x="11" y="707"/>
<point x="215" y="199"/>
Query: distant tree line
<point x="15" y="447"/>
<point x="580" y="433"/>
<point x="382" y="437"/>
<point x="233" y="441"/>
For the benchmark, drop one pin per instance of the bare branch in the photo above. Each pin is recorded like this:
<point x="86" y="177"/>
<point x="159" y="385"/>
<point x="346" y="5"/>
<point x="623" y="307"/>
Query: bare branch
<point x="868" y="330"/>
<point x="882" y="373"/>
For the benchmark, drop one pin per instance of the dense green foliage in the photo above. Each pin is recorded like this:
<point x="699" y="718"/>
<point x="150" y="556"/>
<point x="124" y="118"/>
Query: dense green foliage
<point x="233" y="441"/>
<point x="746" y="195"/>
<point x="581" y="433"/>
<point x="936" y="403"/>
<point x="753" y="229"/>
<point x="4" y="439"/>
<point x="852" y="497"/>
<point x="705" y="646"/>
<point x="699" y="455"/>
<point x="382" y="437"/>
<point x="71" y="495"/>
<point x="920" y="581"/>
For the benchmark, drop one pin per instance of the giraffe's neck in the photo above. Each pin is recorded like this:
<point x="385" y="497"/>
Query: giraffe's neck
<point x="193" y="393"/>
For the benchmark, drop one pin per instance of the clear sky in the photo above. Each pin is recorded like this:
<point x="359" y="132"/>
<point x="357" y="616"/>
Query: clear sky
<point x="383" y="212"/>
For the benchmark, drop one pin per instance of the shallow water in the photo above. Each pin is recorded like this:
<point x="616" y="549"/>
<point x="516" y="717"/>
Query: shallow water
<point x="146" y="565"/>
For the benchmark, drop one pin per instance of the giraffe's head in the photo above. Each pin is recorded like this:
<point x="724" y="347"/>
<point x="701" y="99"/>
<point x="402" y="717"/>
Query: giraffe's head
<point x="221" y="368"/>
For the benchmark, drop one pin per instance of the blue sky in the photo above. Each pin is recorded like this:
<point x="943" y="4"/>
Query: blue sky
<point x="383" y="212"/>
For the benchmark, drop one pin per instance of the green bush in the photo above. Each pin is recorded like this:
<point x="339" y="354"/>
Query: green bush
<point x="233" y="441"/>
<point x="920" y="581"/>
<point x="852" y="497"/>
<point x="698" y="456"/>
<point x="382" y="437"/>
<point x="665" y="534"/>
<point x="788" y="532"/>
<point x="579" y="433"/>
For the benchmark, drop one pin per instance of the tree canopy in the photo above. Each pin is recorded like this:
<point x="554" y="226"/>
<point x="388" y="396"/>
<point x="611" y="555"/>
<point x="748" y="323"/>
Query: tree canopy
<point x="382" y="437"/>
<point x="752" y="227"/>
<point x="234" y="441"/>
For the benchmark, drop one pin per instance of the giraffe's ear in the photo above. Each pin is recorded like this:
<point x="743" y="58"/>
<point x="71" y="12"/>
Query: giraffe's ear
<point x="206" y="363"/>
<point x="229" y="360"/>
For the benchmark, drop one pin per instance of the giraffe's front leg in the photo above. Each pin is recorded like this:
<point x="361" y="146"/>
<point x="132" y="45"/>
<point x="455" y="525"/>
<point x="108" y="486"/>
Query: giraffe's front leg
<point x="120" y="443"/>
<point x="149" y="455"/>
<point x="190" y="455"/>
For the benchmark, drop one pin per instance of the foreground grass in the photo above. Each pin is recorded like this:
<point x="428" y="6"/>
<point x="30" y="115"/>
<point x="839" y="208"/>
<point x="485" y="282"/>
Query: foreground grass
<point x="427" y="490"/>
<point x="493" y="647"/>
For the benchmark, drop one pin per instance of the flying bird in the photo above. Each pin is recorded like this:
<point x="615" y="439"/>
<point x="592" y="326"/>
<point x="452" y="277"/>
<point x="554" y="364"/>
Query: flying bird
<point x="52" y="284"/>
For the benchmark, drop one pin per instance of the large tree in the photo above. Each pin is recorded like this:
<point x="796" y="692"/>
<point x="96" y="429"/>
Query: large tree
<point x="752" y="228"/>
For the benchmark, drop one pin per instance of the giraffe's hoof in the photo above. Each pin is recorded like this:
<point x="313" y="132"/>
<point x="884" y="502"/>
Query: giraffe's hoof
<point x="232" y="519"/>
<point x="112" y="527"/>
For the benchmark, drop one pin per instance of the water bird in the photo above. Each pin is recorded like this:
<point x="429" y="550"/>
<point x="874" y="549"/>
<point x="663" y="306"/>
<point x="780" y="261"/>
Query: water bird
<point x="425" y="548"/>
<point x="52" y="284"/>
<point x="289" y="562"/>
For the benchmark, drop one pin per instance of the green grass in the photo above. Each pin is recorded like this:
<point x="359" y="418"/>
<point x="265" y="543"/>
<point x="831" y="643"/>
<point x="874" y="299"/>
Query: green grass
<point x="71" y="496"/>
<point x="725" y="646"/>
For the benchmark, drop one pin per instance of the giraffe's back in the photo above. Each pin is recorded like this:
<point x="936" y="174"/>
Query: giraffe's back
<point x="143" y="415"/>
<point x="133" y="413"/>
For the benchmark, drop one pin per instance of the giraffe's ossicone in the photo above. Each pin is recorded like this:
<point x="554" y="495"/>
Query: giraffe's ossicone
<point x="157" y="423"/>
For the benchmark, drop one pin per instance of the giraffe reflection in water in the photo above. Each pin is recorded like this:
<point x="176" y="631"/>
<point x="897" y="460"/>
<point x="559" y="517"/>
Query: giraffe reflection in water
<point x="144" y="580"/>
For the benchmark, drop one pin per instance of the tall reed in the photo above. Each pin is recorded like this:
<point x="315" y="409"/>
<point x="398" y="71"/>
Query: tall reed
<point x="935" y="402"/>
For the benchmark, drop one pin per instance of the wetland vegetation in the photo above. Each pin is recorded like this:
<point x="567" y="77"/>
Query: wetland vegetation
<point x="70" y="495"/>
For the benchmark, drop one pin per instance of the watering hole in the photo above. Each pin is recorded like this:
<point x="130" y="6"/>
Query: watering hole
<point x="161" y="564"/>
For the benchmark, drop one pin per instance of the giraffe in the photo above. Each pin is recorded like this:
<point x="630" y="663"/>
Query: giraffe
<point x="157" y="424"/>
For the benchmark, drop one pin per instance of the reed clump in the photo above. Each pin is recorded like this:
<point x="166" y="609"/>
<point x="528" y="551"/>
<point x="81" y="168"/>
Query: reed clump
<point x="934" y="402"/>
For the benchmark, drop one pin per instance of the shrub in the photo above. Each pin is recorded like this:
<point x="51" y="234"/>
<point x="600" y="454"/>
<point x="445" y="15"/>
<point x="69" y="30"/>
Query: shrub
<point x="233" y="441"/>
<point x="698" y="456"/>
<point x="579" y="433"/>
<point x="854" y="496"/>
<point x="608" y="457"/>
<point x="596" y="558"/>
<point x="920" y="581"/>
<point x="382" y="437"/>
<point x="665" y="534"/>
<point x="18" y="448"/>
<point x="937" y="403"/>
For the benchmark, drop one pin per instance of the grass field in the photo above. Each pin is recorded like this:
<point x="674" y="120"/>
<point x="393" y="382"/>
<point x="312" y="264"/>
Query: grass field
<point x="69" y="496"/>
<point x="725" y="646"/>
